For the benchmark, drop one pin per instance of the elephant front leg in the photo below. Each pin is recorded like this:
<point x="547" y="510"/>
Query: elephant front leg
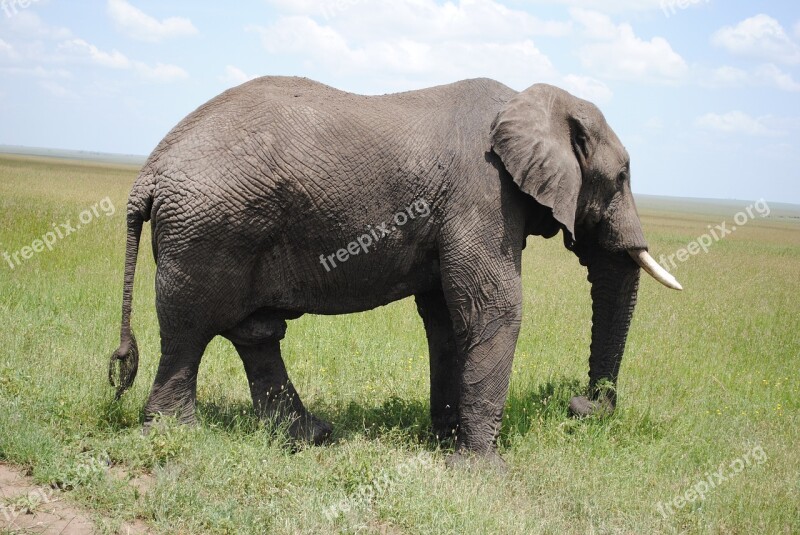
<point x="444" y="366"/>
<point x="274" y="395"/>
<point x="485" y="380"/>
<point x="487" y="316"/>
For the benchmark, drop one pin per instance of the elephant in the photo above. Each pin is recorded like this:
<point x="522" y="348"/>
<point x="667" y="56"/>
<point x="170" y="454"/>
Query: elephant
<point x="283" y="197"/>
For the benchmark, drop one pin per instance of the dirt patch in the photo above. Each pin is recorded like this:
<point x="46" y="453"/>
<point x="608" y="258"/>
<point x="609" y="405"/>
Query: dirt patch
<point x="142" y="482"/>
<point x="29" y="508"/>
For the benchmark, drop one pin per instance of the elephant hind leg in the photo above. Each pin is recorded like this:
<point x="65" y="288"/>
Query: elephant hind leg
<point x="444" y="366"/>
<point x="175" y="387"/>
<point x="257" y="340"/>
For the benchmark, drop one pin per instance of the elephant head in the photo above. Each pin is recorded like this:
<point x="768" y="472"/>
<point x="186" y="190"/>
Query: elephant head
<point x="561" y="152"/>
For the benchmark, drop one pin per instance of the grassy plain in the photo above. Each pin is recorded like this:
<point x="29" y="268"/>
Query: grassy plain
<point x="710" y="376"/>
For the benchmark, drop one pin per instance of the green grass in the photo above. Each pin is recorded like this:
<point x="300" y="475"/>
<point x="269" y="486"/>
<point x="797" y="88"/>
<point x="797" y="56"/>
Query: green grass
<point x="709" y="374"/>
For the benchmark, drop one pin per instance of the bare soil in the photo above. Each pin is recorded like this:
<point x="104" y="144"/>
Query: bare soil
<point x="29" y="508"/>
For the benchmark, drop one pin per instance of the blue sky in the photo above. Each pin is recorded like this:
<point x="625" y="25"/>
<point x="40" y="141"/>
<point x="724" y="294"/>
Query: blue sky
<point x="705" y="94"/>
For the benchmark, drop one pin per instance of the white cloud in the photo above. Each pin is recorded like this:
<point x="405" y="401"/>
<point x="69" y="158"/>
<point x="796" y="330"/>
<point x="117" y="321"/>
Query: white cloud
<point x="587" y="88"/>
<point x="735" y="122"/>
<point x="775" y="77"/>
<point x="411" y="62"/>
<point x="28" y="40"/>
<point x="654" y="123"/>
<point x="405" y="44"/>
<point x="81" y="49"/>
<point x="726" y="76"/>
<point x="37" y="72"/>
<point x="614" y="6"/>
<point x="28" y="24"/>
<point x="235" y="76"/>
<point x="619" y="54"/>
<point x="596" y="25"/>
<point x="35" y="50"/>
<point x="424" y="19"/>
<point x="136" y="24"/>
<point x="667" y="7"/>
<point x="161" y="72"/>
<point x="767" y="75"/>
<point x="6" y="49"/>
<point x="55" y="89"/>
<point x="310" y="7"/>
<point x="759" y="37"/>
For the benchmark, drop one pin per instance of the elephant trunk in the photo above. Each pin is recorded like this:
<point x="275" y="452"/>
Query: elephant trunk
<point x="615" y="283"/>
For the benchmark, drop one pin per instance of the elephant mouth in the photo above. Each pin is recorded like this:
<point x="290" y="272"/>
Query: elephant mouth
<point x="654" y="269"/>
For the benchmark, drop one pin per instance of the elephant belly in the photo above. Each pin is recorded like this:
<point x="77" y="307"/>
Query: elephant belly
<point x="362" y="287"/>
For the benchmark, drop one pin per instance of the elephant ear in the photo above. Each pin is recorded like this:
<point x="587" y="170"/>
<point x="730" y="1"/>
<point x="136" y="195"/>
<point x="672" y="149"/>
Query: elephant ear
<point x="537" y="140"/>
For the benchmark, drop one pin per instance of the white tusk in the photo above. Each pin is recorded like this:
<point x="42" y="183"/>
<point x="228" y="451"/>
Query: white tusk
<point x="646" y="262"/>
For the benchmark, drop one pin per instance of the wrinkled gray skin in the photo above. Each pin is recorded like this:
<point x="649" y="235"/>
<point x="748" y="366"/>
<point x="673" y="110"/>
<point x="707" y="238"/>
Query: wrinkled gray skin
<point x="247" y="192"/>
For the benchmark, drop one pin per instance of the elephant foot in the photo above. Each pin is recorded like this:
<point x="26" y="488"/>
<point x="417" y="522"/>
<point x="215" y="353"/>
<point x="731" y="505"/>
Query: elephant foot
<point x="582" y="407"/>
<point x="444" y="430"/>
<point x="443" y="434"/>
<point x="309" y="429"/>
<point x="301" y="425"/>
<point x="158" y="408"/>
<point x="468" y="460"/>
<point x="155" y="420"/>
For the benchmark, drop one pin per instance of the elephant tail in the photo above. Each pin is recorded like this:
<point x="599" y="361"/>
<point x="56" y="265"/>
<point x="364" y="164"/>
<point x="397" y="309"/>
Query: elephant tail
<point x="126" y="357"/>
